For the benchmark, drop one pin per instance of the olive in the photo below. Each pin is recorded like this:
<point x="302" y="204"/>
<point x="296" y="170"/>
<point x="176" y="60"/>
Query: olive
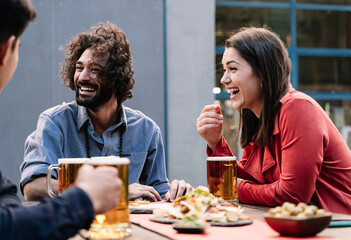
<point x="301" y="210"/>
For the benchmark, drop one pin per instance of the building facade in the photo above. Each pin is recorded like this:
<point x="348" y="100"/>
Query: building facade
<point x="176" y="47"/>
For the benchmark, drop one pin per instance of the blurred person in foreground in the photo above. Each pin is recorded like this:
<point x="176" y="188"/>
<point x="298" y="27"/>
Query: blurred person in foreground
<point x="98" y="67"/>
<point x="96" y="190"/>
<point x="292" y="152"/>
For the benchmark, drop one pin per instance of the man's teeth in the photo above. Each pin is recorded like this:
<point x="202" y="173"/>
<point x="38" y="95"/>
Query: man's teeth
<point x="87" y="89"/>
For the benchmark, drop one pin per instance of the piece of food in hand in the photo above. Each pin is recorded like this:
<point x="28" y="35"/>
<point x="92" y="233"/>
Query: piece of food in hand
<point x="181" y="198"/>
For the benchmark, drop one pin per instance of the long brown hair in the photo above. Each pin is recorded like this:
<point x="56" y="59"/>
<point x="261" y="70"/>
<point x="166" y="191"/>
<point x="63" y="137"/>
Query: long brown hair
<point x="269" y="59"/>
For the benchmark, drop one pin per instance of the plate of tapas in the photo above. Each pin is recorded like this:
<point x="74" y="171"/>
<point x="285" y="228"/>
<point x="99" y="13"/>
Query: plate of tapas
<point x="200" y="206"/>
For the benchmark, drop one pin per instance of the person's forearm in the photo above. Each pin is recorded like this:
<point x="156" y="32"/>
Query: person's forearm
<point x="36" y="189"/>
<point x="58" y="218"/>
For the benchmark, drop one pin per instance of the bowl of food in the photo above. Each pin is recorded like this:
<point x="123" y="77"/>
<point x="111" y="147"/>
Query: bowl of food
<point x="299" y="220"/>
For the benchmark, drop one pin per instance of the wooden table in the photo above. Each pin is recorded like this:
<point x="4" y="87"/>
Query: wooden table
<point x="256" y="212"/>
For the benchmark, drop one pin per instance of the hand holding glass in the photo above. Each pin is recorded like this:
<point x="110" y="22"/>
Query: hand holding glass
<point x="67" y="173"/>
<point x="113" y="224"/>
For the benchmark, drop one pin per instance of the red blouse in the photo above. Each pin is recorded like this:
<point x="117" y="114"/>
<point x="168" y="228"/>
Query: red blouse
<point x="307" y="160"/>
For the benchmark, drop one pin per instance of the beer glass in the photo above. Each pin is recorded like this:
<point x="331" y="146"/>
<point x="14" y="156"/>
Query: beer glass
<point x="113" y="224"/>
<point x="67" y="173"/>
<point x="222" y="177"/>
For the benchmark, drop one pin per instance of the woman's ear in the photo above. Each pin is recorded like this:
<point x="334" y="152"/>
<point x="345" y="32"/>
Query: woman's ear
<point x="6" y="48"/>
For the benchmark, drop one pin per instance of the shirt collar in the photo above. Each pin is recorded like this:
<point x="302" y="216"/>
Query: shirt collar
<point x="83" y="117"/>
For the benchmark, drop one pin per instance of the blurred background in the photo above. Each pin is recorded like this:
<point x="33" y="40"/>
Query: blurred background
<point x="177" y="47"/>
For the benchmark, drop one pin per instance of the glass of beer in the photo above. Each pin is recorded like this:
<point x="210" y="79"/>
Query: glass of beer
<point x="222" y="176"/>
<point x="67" y="173"/>
<point x="113" y="224"/>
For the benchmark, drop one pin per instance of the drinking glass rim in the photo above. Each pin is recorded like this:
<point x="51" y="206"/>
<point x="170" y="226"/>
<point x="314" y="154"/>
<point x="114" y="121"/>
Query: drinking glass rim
<point x="107" y="160"/>
<point x="222" y="158"/>
<point x="72" y="160"/>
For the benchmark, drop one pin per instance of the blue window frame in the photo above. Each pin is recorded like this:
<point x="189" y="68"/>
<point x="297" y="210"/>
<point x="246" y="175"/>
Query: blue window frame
<point x="296" y="52"/>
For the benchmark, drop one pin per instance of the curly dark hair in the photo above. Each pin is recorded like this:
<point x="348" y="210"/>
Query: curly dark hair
<point x="109" y="44"/>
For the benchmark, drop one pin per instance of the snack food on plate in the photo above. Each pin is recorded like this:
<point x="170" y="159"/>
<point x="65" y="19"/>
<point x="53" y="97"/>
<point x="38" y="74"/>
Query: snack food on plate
<point x="200" y="206"/>
<point x="138" y="203"/>
<point x="192" y="219"/>
<point x="301" y="210"/>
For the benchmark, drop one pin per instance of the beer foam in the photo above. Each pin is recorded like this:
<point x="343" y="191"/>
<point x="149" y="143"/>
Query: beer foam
<point x="108" y="160"/>
<point x="72" y="160"/>
<point x="222" y="158"/>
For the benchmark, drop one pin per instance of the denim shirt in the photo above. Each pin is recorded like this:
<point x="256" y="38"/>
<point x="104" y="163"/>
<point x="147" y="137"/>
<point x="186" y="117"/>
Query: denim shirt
<point x="61" y="133"/>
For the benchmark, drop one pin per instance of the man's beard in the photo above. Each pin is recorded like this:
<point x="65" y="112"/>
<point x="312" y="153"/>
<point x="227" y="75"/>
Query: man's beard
<point x="102" y="96"/>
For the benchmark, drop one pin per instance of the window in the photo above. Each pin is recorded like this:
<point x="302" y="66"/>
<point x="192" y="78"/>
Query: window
<point x="317" y="34"/>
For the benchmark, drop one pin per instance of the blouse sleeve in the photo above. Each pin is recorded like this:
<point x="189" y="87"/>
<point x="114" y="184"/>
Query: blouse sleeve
<point x="222" y="149"/>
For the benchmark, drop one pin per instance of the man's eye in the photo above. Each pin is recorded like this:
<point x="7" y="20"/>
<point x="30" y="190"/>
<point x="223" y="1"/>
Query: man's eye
<point x="79" y="68"/>
<point x="95" y="70"/>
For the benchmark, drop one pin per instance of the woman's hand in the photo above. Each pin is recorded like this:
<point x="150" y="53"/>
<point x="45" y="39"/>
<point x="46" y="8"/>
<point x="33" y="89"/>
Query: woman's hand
<point x="209" y="125"/>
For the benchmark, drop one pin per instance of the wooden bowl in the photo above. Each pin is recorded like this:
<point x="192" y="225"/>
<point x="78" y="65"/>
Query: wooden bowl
<point x="299" y="227"/>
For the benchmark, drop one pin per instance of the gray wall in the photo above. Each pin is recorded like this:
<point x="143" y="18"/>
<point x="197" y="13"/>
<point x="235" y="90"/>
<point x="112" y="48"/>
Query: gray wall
<point x="190" y="80"/>
<point x="35" y="85"/>
<point x="189" y="72"/>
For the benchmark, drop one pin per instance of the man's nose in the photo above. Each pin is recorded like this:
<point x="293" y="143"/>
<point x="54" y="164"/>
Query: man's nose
<point x="84" y="75"/>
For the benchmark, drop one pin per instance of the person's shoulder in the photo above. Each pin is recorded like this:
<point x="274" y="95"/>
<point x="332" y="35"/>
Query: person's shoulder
<point x="298" y="105"/>
<point x="138" y="116"/>
<point x="60" y="110"/>
<point x="294" y="98"/>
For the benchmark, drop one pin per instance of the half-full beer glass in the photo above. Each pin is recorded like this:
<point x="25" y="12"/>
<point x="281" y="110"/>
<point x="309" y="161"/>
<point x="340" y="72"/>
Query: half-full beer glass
<point x="222" y="177"/>
<point x="67" y="173"/>
<point x="113" y="224"/>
